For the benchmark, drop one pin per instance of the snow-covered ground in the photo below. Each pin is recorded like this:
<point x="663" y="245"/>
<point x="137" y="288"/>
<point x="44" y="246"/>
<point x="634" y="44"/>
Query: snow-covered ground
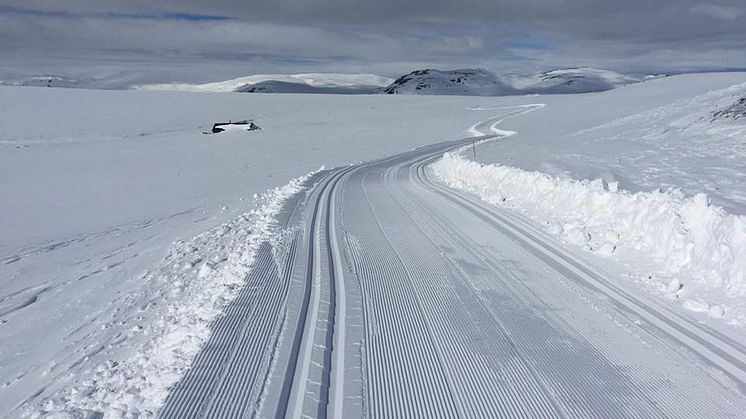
<point x="658" y="183"/>
<point x="106" y="195"/>
<point x="116" y="212"/>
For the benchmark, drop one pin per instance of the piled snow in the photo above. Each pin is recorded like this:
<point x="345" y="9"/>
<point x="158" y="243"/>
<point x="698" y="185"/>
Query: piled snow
<point x="192" y="286"/>
<point x="699" y="248"/>
<point x="284" y="83"/>
<point x="734" y="111"/>
<point x="658" y="134"/>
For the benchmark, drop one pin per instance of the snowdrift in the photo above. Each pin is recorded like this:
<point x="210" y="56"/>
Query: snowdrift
<point x="192" y="286"/>
<point x="696" y="249"/>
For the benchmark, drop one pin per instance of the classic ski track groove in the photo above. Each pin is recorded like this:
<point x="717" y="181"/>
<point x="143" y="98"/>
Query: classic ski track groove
<point x="719" y="350"/>
<point x="465" y="310"/>
<point x="298" y="384"/>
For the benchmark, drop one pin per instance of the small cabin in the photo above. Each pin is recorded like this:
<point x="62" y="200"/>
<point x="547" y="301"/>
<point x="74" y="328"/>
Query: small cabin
<point x="246" y="124"/>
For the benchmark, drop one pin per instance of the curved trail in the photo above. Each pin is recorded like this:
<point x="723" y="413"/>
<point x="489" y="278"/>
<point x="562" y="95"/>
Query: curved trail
<point x="391" y="295"/>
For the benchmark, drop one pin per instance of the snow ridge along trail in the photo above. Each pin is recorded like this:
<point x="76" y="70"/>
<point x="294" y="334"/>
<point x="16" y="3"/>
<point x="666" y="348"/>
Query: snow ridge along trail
<point x="395" y="296"/>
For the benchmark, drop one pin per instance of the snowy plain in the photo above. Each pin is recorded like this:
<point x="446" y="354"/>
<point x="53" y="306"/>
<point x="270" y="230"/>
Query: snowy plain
<point x="105" y="195"/>
<point x="117" y="211"/>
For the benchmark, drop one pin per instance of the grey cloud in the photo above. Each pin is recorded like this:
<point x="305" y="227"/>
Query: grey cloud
<point x="727" y="13"/>
<point x="389" y="34"/>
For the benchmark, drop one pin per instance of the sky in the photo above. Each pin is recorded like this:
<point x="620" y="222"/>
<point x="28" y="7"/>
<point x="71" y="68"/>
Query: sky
<point x="209" y="40"/>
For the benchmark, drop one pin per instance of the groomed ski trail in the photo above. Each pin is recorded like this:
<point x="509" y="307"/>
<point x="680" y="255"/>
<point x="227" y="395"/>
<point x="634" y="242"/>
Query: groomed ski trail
<point x="392" y="295"/>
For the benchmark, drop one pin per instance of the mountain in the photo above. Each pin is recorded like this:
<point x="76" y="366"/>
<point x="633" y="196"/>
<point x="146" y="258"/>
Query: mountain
<point x="120" y="80"/>
<point x="274" y="86"/>
<point x="478" y="82"/>
<point x="285" y="83"/>
<point x="467" y="82"/>
<point x="571" y="80"/>
<point x="42" y="81"/>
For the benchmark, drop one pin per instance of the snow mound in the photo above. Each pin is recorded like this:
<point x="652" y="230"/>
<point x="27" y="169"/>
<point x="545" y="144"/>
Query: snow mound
<point x="191" y="287"/>
<point x="697" y="250"/>
<point x="734" y="111"/>
<point x="283" y="83"/>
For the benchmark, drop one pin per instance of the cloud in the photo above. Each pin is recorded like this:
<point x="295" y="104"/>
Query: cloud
<point x="728" y="13"/>
<point x="388" y="36"/>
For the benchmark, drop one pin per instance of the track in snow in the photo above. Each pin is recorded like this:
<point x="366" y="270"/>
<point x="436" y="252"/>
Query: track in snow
<point x="394" y="296"/>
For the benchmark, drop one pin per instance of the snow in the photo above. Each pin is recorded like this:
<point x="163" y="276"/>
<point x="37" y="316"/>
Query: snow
<point x="479" y="82"/>
<point x="571" y="80"/>
<point x="88" y="77"/>
<point x="307" y="81"/>
<point x="101" y="200"/>
<point x="690" y="240"/>
<point x="189" y="297"/>
<point x="470" y="82"/>
<point x="467" y="82"/>
<point x="125" y="230"/>
<point x="671" y="235"/>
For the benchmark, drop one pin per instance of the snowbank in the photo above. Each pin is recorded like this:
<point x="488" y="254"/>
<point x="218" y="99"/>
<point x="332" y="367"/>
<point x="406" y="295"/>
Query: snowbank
<point x="193" y="285"/>
<point x="697" y="249"/>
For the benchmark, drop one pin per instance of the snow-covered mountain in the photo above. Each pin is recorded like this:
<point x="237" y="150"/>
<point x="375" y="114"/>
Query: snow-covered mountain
<point x="478" y="82"/>
<point x="42" y="81"/>
<point x="571" y="80"/>
<point x="274" y="86"/>
<point x="466" y="82"/>
<point x="285" y="83"/>
<point x="120" y="80"/>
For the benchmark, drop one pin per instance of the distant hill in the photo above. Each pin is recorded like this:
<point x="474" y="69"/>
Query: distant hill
<point x="478" y="82"/>
<point x="467" y="82"/>
<point x="121" y="80"/>
<point x="286" y="83"/>
<point x="274" y="86"/>
<point x="571" y="80"/>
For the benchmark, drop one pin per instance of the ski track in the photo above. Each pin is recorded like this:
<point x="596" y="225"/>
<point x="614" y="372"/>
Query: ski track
<point x="395" y="296"/>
